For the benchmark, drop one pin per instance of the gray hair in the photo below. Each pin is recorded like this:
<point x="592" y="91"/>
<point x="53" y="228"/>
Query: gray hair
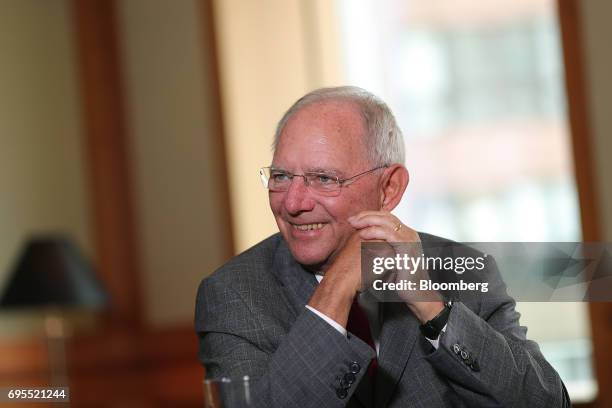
<point x="383" y="140"/>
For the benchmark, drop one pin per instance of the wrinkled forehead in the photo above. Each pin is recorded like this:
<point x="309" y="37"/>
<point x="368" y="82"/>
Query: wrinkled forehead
<point x="323" y="134"/>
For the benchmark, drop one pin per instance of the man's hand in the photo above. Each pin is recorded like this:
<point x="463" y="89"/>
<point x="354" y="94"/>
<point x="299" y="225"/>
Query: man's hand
<point x="384" y="226"/>
<point x="334" y="295"/>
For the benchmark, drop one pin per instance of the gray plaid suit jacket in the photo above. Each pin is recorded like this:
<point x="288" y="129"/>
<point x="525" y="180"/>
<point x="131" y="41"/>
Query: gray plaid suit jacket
<point x="251" y="320"/>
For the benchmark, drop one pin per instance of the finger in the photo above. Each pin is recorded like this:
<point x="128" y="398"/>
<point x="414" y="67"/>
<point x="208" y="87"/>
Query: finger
<point x="377" y="232"/>
<point x="366" y="213"/>
<point x="381" y="219"/>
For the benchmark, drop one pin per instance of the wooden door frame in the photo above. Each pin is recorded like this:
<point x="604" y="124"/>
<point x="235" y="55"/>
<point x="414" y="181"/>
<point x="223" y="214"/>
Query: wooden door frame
<point x="576" y="81"/>
<point x="106" y="152"/>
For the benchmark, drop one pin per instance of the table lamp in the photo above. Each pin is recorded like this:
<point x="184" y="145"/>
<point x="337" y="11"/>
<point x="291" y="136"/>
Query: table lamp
<point x="52" y="275"/>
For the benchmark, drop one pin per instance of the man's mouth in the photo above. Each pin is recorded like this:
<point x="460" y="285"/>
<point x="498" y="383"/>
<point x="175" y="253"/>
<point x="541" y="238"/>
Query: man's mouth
<point x="308" y="227"/>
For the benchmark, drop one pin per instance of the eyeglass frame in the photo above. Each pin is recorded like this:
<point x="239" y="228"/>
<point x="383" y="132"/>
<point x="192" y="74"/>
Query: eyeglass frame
<point x="341" y="182"/>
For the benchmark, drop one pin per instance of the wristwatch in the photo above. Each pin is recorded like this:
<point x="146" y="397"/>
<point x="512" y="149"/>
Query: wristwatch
<point x="432" y="328"/>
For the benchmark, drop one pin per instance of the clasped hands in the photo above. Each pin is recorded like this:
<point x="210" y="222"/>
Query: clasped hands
<point x="343" y="279"/>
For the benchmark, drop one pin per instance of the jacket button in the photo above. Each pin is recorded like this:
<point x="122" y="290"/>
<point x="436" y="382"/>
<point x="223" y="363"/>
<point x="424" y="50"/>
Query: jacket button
<point x="456" y="348"/>
<point x="341" y="393"/>
<point x="349" y="378"/>
<point x="474" y="366"/>
<point x="465" y="355"/>
<point x="354" y="367"/>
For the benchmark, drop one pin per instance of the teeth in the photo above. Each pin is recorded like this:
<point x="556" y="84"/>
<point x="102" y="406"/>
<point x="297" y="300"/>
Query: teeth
<point x="309" y="227"/>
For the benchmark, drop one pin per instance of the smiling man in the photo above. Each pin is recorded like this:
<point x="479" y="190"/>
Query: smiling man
<point x="288" y="312"/>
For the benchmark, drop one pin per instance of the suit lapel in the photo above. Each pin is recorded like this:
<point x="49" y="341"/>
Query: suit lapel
<point x="399" y="333"/>
<point x="299" y="283"/>
<point x="397" y="338"/>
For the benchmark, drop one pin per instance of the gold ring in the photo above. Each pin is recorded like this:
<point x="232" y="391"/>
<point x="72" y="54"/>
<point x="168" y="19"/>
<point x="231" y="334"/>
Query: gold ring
<point x="398" y="227"/>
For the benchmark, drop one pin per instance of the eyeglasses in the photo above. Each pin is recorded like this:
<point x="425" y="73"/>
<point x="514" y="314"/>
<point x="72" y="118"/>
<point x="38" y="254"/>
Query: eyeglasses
<point x="323" y="183"/>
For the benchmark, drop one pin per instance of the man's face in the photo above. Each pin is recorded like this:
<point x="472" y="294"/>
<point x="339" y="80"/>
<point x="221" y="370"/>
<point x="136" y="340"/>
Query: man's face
<point x="325" y="136"/>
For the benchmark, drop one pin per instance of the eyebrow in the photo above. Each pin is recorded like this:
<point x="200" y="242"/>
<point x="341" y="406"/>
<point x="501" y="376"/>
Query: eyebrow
<point x="329" y="170"/>
<point x="326" y="170"/>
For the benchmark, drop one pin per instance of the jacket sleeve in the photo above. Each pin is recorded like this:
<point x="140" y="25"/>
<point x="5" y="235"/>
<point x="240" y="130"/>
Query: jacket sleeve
<point x="300" y="367"/>
<point x="488" y="360"/>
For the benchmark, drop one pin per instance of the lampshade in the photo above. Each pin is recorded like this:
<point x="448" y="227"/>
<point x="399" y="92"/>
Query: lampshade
<point x="52" y="272"/>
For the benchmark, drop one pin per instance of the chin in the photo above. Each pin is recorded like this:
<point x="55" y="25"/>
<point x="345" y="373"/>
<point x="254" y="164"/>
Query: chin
<point x="309" y="255"/>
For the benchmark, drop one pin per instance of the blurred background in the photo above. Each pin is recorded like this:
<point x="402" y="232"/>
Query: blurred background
<point x="133" y="130"/>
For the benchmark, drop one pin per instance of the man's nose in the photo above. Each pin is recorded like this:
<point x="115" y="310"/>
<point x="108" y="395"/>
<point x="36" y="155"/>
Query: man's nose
<point x="298" y="198"/>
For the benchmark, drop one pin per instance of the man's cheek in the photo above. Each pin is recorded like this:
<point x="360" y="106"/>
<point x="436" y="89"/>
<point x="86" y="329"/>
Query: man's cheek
<point x="276" y="209"/>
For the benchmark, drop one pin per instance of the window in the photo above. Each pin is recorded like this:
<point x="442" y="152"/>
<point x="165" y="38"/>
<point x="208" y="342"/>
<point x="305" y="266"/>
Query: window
<point x="477" y="88"/>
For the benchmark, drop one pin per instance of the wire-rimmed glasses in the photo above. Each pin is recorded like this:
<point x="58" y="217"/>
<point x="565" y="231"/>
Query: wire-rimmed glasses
<point x="321" y="182"/>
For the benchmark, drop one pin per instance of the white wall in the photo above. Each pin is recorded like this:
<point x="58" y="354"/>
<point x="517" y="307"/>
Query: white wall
<point x="271" y="52"/>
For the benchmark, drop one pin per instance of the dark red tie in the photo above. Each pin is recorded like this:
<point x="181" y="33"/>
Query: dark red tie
<point x="358" y="325"/>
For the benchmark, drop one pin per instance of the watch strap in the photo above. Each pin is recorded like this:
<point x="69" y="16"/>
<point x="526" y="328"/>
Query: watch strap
<point x="432" y="328"/>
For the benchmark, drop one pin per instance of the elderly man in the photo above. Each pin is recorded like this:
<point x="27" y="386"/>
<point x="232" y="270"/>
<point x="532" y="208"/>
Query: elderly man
<point x="288" y="312"/>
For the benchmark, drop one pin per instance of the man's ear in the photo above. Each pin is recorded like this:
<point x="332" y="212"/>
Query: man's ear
<point x="393" y="184"/>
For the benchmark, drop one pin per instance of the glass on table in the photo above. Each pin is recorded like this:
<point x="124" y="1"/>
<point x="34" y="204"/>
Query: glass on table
<point x="227" y="392"/>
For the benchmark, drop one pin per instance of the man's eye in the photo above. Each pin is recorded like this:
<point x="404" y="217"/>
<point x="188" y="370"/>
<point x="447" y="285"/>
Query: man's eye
<point x="323" y="179"/>
<point x="278" y="177"/>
